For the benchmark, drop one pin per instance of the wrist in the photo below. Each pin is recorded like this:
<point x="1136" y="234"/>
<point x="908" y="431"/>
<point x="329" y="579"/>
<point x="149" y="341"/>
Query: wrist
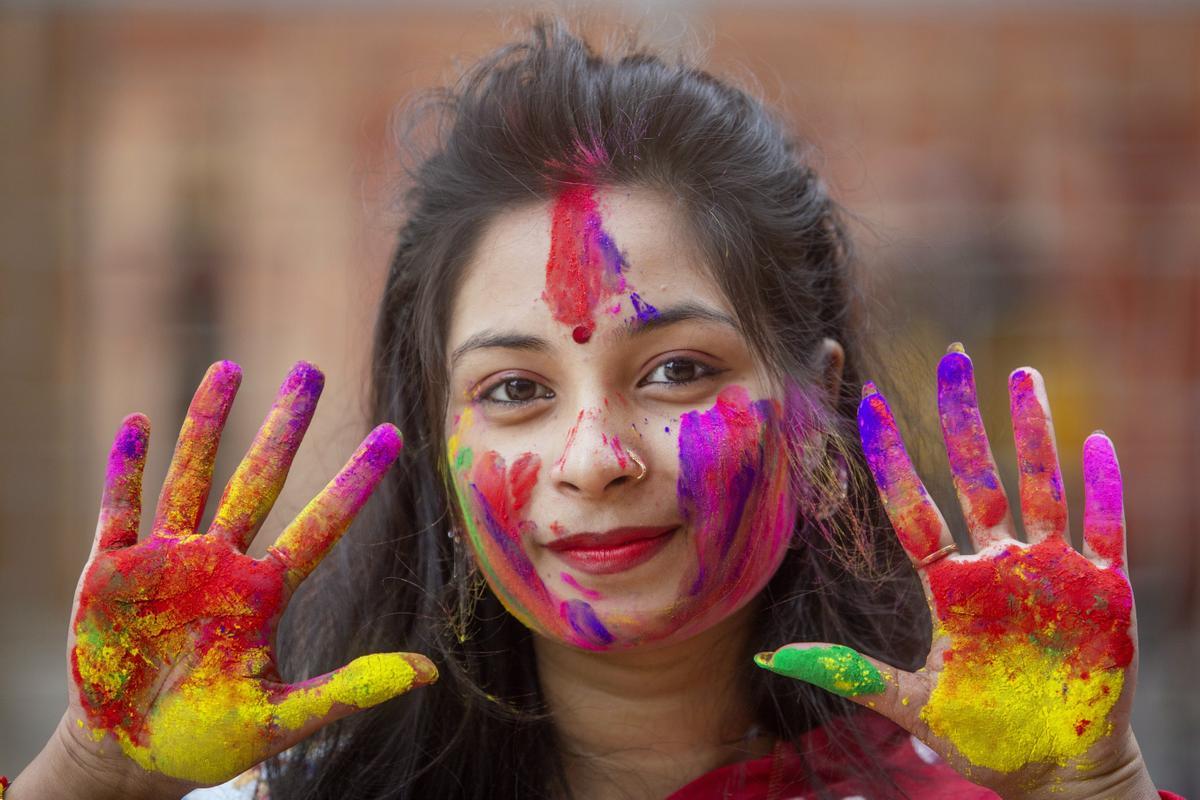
<point x="65" y="770"/>
<point x="1127" y="779"/>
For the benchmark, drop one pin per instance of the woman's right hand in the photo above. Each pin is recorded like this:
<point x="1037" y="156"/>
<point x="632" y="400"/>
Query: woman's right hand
<point x="172" y="648"/>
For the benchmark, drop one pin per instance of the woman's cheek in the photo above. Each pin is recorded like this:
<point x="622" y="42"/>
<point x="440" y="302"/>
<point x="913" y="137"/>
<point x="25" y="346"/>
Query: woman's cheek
<point x="733" y="495"/>
<point x="494" y="497"/>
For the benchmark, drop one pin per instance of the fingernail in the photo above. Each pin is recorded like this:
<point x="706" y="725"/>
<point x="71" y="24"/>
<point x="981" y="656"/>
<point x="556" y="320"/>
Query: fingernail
<point x="426" y="672"/>
<point x="956" y="347"/>
<point x="869" y="389"/>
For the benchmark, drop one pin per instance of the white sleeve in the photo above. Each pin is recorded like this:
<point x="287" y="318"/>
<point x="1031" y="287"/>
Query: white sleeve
<point x="244" y="787"/>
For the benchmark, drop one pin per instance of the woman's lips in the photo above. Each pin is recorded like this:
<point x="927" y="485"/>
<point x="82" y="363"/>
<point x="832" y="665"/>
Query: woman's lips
<point x="612" y="551"/>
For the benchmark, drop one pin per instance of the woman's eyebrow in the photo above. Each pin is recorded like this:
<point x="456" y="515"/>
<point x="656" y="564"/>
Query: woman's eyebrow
<point x="665" y="317"/>
<point x="489" y="338"/>
<point x="673" y="315"/>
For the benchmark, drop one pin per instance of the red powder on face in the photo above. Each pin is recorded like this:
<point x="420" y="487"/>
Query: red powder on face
<point x="584" y="265"/>
<point x="522" y="478"/>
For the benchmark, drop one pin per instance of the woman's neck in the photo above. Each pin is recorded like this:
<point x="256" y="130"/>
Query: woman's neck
<point x="643" y="723"/>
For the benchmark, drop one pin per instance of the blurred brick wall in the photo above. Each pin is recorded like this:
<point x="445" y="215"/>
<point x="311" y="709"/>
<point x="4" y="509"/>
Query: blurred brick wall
<point x="181" y="187"/>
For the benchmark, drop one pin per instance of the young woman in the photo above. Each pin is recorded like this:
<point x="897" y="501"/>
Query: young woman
<point x="635" y="450"/>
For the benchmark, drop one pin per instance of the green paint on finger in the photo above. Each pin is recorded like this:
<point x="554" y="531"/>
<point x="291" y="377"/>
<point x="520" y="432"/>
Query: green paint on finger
<point x="836" y="668"/>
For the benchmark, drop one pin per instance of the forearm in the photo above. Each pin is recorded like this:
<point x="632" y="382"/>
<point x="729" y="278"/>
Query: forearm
<point x="61" y="771"/>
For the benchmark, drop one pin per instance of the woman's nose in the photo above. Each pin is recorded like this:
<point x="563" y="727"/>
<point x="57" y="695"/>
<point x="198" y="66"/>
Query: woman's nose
<point x="594" y="460"/>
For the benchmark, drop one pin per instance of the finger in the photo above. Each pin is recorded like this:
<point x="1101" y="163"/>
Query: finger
<point x="317" y="528"/>
<point x="256" y="483"/>
<point x="365" y="682"/>
<point x="1043" y="503"/>
<point x="896" y="694"/>
<point x="189" y="477"/>
<point x="121" y="501"/>
<point x="917" y="521"/>
<point x="976" y="479"/>
<point x="1103" y="506"/>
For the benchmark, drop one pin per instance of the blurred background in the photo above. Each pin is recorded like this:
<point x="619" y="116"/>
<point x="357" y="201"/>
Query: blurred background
<point x="183" y="185"/>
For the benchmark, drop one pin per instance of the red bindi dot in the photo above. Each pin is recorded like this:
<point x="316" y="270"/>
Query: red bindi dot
<point x="581" y="334"/>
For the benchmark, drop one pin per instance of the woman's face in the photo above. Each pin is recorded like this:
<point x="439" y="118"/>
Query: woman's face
<point x="620" y="461"/>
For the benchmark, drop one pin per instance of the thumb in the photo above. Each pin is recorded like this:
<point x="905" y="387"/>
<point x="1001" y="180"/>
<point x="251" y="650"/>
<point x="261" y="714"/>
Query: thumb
<point x="366" y="681"/>
<point x="894" y="693"/>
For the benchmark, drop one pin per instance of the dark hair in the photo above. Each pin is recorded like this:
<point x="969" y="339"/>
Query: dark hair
<point x="523" y="123"/>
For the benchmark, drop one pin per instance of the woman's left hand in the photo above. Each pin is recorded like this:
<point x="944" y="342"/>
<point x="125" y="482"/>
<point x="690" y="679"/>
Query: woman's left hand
<point x="1029" y="684"/>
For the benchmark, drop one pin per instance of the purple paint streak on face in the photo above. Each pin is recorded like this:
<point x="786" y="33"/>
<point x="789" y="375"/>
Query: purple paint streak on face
<point x="644" y="310"/>
<point x="732" y="469"/>
<point x="585" y="623"/>
<point x="507" y="540"/>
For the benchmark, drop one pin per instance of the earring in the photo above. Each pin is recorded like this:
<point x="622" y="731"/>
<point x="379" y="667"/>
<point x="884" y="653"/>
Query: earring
<point x="633" y="457"/>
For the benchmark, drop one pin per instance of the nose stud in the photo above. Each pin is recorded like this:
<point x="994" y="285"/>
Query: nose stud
<point x="633" y="457"/>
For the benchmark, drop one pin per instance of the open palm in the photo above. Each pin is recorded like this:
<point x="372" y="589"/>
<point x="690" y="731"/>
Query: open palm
<point x="172" y="647"/>
<point x="1029" y="682"/>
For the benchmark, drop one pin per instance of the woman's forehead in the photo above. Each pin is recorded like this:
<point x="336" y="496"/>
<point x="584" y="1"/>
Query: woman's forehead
<point x="581" y="263"/>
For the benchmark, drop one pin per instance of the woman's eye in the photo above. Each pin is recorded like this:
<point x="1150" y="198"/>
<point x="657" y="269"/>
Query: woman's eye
<point x="679" y="371"/>
<point x="515" y="392"/>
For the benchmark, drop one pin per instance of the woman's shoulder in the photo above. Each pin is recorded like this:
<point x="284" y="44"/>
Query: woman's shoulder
<point x="250" y="785"/>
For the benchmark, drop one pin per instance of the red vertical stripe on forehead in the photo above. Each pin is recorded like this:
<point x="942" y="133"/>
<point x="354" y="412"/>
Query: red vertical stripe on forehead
<point x="584" y="266"/>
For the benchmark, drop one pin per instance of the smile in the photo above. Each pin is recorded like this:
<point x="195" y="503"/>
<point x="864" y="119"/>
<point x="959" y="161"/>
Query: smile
<point x="613" y="551"/>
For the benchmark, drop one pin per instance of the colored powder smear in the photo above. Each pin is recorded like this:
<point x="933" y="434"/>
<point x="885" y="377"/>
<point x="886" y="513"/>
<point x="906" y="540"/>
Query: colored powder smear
<point x="492" y="496"/>
<point x="1038" y="635"/>
<point x="1104" y="509"/>
<point x="173" y="651"/>
<point x="984" y="503"/>
<point x="835" y="668"/>
<point x="200" y="616"/>
<point x="569" y="580"/>
<point x="1043" y="504"/>
<point x="584" y="268"/>
<point x="733" y="495"/>
<point x="1039" y="645"/>
<point x="189" y="477"/>
<point x="256" y="483"/>
<point x="912" y="512"/>
<point x="733" y="498"/>
<point x="121" y="508"/>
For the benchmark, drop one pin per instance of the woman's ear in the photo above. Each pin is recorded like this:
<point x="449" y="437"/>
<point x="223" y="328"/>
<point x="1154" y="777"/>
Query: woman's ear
<point x="830" y="361"/>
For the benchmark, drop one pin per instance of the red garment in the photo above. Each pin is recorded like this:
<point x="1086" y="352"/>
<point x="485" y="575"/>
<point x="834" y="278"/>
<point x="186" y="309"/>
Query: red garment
<point x="919" y="771"/>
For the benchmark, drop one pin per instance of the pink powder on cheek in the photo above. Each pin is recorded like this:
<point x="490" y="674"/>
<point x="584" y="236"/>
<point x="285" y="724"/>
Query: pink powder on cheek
<point x="732" y="492"/>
